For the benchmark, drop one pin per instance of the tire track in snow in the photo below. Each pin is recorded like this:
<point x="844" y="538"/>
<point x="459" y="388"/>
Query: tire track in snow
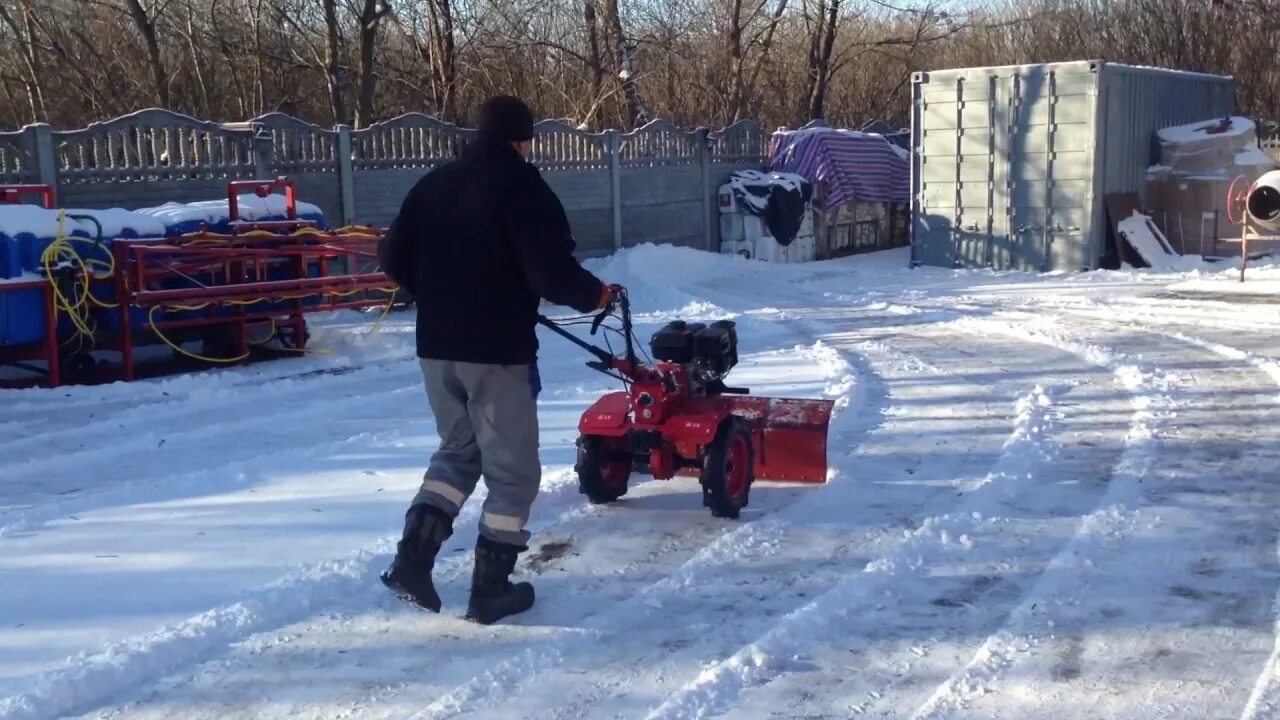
<point x="111" y="462"/>
<point x="1026" y="626"/>
<point x="230" y="476"/>
<point x="749" y="541"/>
<point x="1125" y="528"/>
<point x="94" y="677"/>
<point x="624" y="674"/>
<point x="840" y="384"/>
<point x="90" y="679"/>
<point x="1212" y="533"/>
<point x="143" y="424"/>
<point x="354" y="351"/>
<point x="1267" y="365"/>
<point x="1026" y="451"/>
<point x="450" y="573"/>
<point x="1150" y="399"/>
<point x="1264" y="700"/>
<point x="601" y="689"/>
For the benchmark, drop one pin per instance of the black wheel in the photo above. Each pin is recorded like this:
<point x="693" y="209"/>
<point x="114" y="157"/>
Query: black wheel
<point x="728" y="469"/>
<point x="603" y="467"/>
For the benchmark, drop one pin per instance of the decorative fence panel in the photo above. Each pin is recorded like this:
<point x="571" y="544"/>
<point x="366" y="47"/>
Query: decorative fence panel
<point x="655" y="184"/>
<point x="309" y="155"/>
<point x="665" y="194"/>
<point x="17" y="161"/>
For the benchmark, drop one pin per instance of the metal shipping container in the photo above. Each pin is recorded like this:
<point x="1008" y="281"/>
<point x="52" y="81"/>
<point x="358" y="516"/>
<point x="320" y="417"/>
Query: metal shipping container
<point x="1011" y="165"/>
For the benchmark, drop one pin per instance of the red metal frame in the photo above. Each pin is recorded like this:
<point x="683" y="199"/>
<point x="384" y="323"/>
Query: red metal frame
<point x="13" y="194"/>
<point x="262" y="188"/>
<point x="226" y="275"/>
<point x="142" y="265"/>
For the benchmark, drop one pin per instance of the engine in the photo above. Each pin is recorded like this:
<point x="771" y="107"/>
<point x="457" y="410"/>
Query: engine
<point x="708" y="352"/>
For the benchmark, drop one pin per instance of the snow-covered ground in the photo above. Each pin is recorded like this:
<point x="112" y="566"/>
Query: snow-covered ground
<point x="1050" y="496"/>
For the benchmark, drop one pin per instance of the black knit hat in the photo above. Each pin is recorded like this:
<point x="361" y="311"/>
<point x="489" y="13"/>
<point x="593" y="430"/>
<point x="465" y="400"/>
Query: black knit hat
<point x="506" y="119"/>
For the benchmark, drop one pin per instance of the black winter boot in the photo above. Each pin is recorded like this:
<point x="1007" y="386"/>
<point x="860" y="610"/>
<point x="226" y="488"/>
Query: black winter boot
<point x="426" y="527"/>
<point x="493" y="597"/>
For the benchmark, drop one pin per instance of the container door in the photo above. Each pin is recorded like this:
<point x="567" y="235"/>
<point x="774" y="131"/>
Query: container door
<point x="1050" y="140"/>
<point x="953" y="185"/>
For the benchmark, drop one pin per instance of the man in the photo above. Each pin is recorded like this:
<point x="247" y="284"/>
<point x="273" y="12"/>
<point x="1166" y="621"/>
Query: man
<point x="477" y="244"/>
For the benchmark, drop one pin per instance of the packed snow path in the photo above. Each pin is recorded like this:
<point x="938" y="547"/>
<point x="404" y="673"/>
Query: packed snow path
<point x="1049" y="497"/>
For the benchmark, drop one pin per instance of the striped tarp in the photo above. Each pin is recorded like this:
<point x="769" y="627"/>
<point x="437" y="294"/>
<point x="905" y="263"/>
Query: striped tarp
<point x="849" y="166"/>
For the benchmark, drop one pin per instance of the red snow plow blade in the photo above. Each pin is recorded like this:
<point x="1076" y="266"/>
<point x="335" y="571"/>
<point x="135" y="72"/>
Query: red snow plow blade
<point x="790" y="435"/>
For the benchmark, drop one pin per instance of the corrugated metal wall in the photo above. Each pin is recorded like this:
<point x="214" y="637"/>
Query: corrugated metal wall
<point x="1011" y="165"/>
<point x="1138" y="101"/>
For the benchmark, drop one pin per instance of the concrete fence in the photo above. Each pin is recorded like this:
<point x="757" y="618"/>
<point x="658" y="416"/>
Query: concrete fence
<point x="656" y="184"/>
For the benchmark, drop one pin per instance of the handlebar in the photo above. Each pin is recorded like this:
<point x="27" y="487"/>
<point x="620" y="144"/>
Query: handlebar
<point x="605" y="361"/>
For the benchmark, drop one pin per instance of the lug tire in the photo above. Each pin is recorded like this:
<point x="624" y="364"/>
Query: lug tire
<point x="728" y="469"/>
<point x="603" y="469"/>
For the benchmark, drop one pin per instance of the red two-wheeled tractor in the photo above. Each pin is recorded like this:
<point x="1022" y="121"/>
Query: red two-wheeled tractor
<point x="677" y="417"/>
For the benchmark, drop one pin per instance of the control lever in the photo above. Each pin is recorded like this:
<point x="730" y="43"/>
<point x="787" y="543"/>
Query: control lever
<point x="595" y="324"/>
<point x="608" y="309"/>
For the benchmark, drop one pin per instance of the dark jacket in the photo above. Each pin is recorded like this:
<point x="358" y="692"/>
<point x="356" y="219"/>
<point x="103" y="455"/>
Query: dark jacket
<point x="478" y="242"/>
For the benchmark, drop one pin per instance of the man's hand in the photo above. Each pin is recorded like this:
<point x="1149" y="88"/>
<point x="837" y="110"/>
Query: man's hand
<point x="608" y="293"/>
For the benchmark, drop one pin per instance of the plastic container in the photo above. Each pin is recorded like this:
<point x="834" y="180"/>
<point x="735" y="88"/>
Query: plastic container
<point x="10" y="258"/>
<point x="21" y="316"/>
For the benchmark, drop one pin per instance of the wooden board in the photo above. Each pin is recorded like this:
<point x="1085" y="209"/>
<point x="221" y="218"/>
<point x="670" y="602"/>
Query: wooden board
<point x="1119" y="207"/>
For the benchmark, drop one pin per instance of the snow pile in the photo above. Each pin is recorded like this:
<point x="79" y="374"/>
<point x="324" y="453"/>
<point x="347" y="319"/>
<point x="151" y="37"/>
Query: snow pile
<point x="1262" y="277"/>
<point x="1206" y="146"/>
<point x="180" y="218"/>
<point x="1228" y="283"/>
<point x="26" y="230"/>
<point x="1150" y="244"/>
<point x="37" y="222"/>
<point x="663" y="279"/>
<point x="169" y="219"/>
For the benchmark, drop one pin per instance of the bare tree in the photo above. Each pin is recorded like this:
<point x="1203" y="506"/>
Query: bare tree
<point x="600" y="63"/>
<point x="145" y="17"/>
<point x="26" y="42"/>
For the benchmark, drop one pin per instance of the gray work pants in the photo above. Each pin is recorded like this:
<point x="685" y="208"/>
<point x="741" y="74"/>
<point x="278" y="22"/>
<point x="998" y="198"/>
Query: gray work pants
<point x="487" y="418"/>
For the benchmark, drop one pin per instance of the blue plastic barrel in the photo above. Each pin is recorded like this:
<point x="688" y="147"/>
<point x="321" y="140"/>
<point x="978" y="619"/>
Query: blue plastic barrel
<point x="10" y="257"/>
<point x="21" y="317"/>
